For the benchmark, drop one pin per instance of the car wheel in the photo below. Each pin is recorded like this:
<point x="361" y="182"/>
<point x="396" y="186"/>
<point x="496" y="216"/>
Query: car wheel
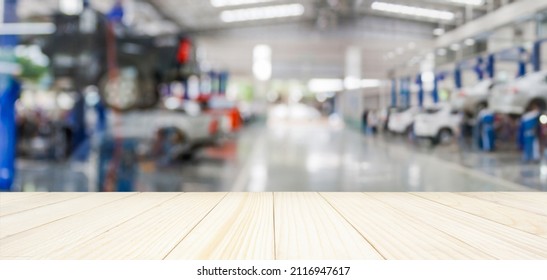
<point x="444" y="136"/>
<point x="539" y="103"/>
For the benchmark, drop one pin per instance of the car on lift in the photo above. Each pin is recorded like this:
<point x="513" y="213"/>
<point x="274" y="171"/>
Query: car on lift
<point x="472" y="99"/>
<point x="401" y="121"/>
<point x="439" y="123"/>
<point x="129" y="71"/>
<point x="519" y="96"/>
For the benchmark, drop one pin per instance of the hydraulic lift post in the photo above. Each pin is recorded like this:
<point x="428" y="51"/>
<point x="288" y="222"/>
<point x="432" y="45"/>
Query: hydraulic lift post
<point x="9" y="93"/>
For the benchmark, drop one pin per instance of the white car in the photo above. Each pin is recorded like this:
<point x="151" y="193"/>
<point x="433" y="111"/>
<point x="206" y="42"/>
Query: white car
<point x="401" y="122"/>
<point x="196" y="129"/>
<point x="472" y="99"/>
<point x="439" y="123"/>
<point x="518" y="96"/>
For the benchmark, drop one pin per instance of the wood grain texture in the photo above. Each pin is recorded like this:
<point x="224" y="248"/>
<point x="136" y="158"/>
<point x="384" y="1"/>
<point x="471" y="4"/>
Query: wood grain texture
<point x="240" y="227"/>
<point x="531" y="202"/>
<point x="22" y="221"/>
<point x="494" y="239"/>
<point x="261" y="226"/>
<point x="307" y="227"/>
<point x="6" y="197"/>
<point x="397" y="235"/>
<point x="44" y="241"/>
<point x="150" y="236"/>
<point x="35" y="201"/>
<point x="516" y="218"/>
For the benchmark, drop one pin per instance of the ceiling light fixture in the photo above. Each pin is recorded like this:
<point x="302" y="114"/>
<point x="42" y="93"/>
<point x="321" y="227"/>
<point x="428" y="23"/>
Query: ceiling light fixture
<point x="438" y="31"/>
<point x="469" y="2"/>
<point x="455" y="47"/>
<point x="226" y="3"/>
<point x="260" y="13"/>
<point x="469" y="42"/>
<point x="413" y="11"/>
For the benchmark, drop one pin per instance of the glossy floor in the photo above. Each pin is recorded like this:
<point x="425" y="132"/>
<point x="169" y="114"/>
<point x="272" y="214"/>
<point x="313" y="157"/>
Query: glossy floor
<point x="309" y="157"/>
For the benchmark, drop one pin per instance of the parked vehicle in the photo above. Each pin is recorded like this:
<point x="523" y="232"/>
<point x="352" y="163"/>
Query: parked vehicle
<point x="401" y="121"/>
<point x="518" y="96"/>
<point x="440" y="123"/>
<point x="472" y="99"/>
<point x="194" y="130"/>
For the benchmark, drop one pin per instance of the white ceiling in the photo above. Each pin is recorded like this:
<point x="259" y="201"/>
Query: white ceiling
<point x="309" y="46"/>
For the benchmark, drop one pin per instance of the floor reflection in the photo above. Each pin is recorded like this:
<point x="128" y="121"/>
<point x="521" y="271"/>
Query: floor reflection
<point x="307" y="157"/>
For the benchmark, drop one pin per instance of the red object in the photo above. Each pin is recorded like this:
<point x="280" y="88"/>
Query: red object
<point x="183" y="53"/>
<point x="515" y="90"/>
<point x="235" y="119"/>
<point x="213" y="127"/>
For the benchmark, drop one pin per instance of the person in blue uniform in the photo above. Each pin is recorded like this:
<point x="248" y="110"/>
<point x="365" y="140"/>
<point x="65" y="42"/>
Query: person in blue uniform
<point x="529" y="135"/>
<point x="487" y="136"/>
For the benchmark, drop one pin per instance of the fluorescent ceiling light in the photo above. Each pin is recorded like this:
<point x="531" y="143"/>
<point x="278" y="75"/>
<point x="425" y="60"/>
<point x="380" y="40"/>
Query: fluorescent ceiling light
<point x="413" y="11"/>
<point x="334" y="85"/>
<point x="26" y="28"/>
<point x="438" y="31"/>
<point x="469" y="42"/>
<point x="226" y="3"/>
<point x="259" y="13"/>
<point x="469" y="2"/>
<point x="455" y="47"/>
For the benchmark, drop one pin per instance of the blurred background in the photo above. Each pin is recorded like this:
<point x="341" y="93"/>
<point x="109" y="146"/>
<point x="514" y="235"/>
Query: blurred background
<point x="273" y="95"/>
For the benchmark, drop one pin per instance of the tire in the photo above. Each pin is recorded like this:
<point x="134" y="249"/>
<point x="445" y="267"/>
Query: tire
<point x="479" y="107"/>
<point x="409" y="132"/>
<point x="540" y="103"/>
<point x="444" y="136"/>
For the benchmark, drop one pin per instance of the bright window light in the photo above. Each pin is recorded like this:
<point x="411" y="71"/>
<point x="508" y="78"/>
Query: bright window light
<point x="469" y="2"/>
<point x="325" y="85"/>
<point x="370" y="83"/>
<point x="259" y="13"/>
<point x="351" y="83"/>
<point x="226" y="3"/>
<point x="413" y="11"/>
<point x="262" y="62"/>
<point x="335" y="85"/>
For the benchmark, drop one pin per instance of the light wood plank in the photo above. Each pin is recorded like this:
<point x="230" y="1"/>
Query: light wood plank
<point x="6" y="197"/>
<point x="307" y="227"/>
<point x="150" y="236"/>
<point x="44" y="241"/>
<point x="492" y="238"/>
<point x="19" y="222"/>
<point x="239" y="227"/>
<point x="527" y="221"/>
<point x="532" y="202"/>
<point x="395" y="234"/>
<point x="35" y="201"/>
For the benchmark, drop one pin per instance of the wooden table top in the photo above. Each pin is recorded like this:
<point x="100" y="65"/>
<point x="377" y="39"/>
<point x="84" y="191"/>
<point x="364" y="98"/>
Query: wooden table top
<point x="264" y="226"/>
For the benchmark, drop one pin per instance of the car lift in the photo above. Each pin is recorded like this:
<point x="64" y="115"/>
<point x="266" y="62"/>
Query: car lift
<point x="9" y="92"/>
